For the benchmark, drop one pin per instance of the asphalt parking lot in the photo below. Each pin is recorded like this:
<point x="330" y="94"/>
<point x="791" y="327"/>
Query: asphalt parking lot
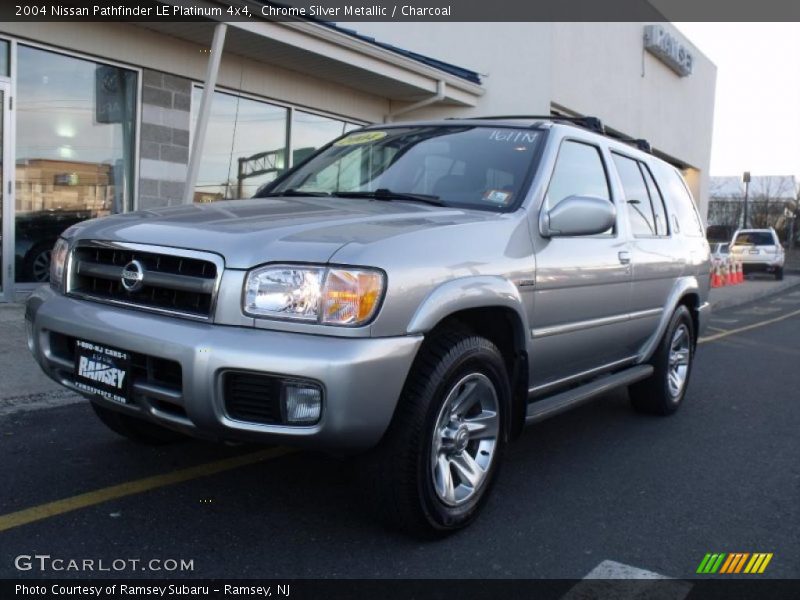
<point x="600" y="483"/>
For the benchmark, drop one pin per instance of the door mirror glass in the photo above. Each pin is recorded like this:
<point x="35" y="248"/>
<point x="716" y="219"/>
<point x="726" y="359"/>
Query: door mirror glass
<point x="578" y="215"/>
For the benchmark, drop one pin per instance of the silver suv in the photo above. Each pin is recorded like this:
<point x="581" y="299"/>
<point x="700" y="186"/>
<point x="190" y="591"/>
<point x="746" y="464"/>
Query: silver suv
<point x="420" y="291"/>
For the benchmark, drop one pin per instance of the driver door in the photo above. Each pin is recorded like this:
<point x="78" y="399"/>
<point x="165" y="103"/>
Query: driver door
<point x="579" y="315"/>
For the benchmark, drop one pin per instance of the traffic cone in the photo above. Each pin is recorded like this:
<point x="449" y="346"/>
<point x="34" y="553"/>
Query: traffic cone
<point x="716" y="281"/>
<point x="739" y="272"/>
<point x="730" y="273"/>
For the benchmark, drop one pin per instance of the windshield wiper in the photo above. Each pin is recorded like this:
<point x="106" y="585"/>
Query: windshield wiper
<point x="293" y="192"/>
<point x="387" y="194"/>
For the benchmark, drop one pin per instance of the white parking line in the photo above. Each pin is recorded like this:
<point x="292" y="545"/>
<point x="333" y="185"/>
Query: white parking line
<point x="760" y="310"/>
<point x="603" y="583"/>
<point x="609" y="569"/>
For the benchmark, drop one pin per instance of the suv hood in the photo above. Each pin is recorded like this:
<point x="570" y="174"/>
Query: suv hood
<point x="251" y="232"/>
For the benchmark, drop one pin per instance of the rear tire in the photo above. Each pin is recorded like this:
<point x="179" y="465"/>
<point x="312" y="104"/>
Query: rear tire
<point x="433" y="471"/>
<point x="663" y="392"/>
<point x="779" y="274"/>
<point x="137" y="430"/>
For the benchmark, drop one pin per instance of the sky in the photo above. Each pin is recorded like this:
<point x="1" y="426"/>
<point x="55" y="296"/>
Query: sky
<point x="757" y="107"/>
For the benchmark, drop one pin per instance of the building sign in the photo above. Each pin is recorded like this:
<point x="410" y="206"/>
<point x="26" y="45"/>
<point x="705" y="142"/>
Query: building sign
<point x="669" y="49"/>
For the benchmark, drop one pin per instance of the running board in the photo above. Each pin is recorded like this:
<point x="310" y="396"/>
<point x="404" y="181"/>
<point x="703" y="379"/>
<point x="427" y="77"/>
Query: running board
<point x="548" y="407"/>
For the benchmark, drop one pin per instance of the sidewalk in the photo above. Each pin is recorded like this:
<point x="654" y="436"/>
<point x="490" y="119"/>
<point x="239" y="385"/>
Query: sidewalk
<point x="754" y="288"/>
<point x="24" y="384"/>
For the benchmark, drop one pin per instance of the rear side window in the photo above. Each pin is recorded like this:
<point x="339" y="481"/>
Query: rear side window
<point x="579" y="171"/>
<point x="637" y="196"/>
<point x="657" y="201"/>
<point x="682" y="205"/>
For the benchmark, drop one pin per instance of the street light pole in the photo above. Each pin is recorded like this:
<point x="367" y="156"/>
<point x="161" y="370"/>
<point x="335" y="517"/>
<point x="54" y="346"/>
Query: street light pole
<point x="746" y="179"/>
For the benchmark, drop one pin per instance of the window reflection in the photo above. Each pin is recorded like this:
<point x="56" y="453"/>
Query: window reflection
<point x="245" y="144"/>
<point x="310" y="132"/>
<point x="74" y="149"/>
<point x="4" y="60"/>
<point x="245" y="147"/>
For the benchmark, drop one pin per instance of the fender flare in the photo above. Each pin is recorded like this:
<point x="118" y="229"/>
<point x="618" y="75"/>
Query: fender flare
<point x="479" y="291"/>
<point x="682" y="287"/>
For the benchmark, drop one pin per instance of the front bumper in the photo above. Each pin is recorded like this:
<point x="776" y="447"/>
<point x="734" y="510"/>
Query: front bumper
<point x="361" y="378"/>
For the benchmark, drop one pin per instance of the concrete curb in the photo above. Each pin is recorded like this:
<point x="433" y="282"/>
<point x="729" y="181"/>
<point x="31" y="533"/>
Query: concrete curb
<point x="758" y="293"/>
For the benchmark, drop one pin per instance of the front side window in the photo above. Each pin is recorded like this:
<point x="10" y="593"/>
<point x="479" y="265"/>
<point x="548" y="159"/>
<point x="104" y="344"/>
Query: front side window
<point x="466" y="166"/>
<point x="579" y="171"/>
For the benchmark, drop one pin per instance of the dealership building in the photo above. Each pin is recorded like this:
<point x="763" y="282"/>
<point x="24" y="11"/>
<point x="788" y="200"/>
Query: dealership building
<point x="101" y="118"/>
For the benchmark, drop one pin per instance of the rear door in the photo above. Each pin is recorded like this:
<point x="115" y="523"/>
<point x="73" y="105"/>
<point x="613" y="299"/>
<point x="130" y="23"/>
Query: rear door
<point x="582" y="285"/>
<point x="656" y="264"/>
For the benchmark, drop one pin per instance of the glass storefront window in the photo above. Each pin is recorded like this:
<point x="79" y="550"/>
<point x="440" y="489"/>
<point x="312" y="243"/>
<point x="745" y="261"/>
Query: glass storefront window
<point x="310" y="132"/>
<point x="75" y="143"/>
<point x="245" y="147"/>
<point x="4" y="59"/>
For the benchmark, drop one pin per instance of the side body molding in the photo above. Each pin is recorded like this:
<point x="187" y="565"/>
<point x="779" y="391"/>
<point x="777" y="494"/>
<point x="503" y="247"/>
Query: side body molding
<point x="480" y="291"/>
<point x="684" y="285"/>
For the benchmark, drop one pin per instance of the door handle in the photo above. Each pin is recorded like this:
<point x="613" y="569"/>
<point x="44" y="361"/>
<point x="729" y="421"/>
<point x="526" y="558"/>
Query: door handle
<point x="624" y="257"/>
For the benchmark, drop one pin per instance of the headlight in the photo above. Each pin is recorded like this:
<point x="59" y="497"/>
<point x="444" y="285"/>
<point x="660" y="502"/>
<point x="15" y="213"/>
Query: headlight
<point x="58" y="261"/>
<point x="332" y="296"/>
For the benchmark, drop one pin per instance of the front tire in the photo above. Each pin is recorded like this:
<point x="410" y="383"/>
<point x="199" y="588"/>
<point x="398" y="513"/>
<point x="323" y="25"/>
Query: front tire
<point x="137" y="430"/>
<point x="432" y="472"/>
<point x="663" y="392"/>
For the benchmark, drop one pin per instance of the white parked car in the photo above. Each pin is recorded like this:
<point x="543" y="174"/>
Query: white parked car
<point x="720" y="252"/>
<point x="759" y="250"/>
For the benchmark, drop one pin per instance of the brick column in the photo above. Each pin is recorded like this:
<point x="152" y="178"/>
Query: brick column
<point x="164" y="139"/>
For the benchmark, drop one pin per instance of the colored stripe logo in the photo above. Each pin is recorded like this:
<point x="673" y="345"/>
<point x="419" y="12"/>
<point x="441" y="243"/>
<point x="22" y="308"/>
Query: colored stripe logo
<point x="733" y="563"/>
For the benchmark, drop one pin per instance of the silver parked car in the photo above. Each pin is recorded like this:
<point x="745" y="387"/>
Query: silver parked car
<point x="720" y="253"/>
<point x="417" y="292"/>
<point x="759" y="250"/>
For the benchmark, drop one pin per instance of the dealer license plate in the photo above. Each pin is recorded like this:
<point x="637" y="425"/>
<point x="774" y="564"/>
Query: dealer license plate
<point x="102" y="371"/>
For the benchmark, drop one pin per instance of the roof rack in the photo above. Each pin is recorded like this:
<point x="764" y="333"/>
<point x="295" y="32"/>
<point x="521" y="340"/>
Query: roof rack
<point x="590" y="123"/>
<point x="639" y="143"/>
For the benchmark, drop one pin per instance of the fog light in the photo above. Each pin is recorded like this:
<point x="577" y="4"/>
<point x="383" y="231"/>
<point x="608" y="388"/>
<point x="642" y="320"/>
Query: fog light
<point x="302" y="403"/>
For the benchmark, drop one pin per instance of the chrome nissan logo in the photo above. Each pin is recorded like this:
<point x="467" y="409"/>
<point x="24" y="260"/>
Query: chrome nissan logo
<point x="133" y="276"/>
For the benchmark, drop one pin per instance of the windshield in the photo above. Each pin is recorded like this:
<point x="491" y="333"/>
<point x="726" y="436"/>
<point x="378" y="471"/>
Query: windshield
<point x="467" y="166"/>
<point x="754" y="238"/>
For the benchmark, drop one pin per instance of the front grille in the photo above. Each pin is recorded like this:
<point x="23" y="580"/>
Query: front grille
<point x="181" y="282"/>
<point x="253" y="398"/>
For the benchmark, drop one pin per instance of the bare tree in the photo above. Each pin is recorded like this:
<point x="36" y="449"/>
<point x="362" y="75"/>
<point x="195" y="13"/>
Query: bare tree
<point x="768" y="200"/>
<point x="723" y="208"/>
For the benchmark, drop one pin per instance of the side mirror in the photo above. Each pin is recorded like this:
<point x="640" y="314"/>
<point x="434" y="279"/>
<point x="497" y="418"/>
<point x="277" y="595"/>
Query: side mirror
<point x="578" y="215"/>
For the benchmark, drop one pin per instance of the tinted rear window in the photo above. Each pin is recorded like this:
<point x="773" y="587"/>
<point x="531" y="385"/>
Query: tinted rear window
<point x="754" y="238"/>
